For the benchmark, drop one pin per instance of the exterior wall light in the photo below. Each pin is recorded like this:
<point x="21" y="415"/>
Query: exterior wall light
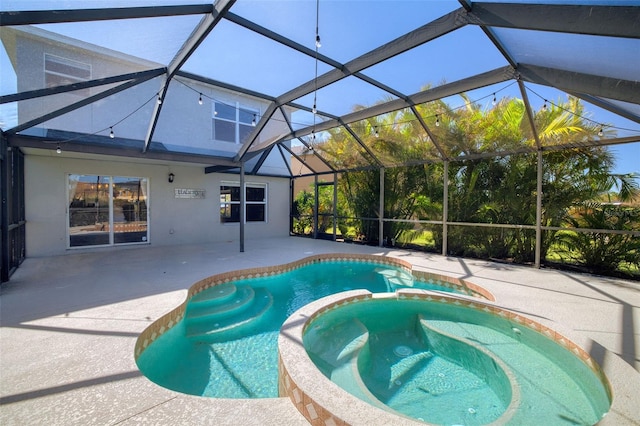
<point x="171" y="176"/>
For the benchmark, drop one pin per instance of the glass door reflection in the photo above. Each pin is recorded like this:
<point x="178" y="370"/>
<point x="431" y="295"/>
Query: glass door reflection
<point x="129" y="210"/>
<point x="88" y="210"/>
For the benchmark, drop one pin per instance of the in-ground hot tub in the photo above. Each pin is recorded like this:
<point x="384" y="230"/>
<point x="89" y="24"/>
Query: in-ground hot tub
<point x="429" y="357"/>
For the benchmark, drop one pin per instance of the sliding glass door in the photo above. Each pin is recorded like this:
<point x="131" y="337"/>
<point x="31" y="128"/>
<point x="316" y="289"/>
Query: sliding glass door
<point x="107" y="210"/>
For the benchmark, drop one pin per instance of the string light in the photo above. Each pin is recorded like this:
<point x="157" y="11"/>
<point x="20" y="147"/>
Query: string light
<point x="253" y="122"/>
<point x="437" y="120"/>
<point x="200" y="99"/>
<point x="314" y="110"/>
<point x="495" y="100"/>
<point x="111" y="134"/>
<point x="159" y="99"/>
<point x="601" y="131"/>
<point x="544" y="106"/>
<point x="375" y="132"/>
<point x="58" y="149"/>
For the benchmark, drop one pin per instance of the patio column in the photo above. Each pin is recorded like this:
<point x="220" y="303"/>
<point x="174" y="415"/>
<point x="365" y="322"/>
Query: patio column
<point x="381" y="213"/>
<point x="539" y="211"/>
<point x="316" y="204"/>
<point x="445" y="207"/>
<point x="335" y="204"/>
<point x="242" y="207"/>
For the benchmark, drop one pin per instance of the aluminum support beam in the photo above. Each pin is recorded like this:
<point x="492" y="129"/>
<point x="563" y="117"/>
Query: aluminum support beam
<point x="611" y="21"/>
<point x="530" y="115"/>
<point x="445" y="209"/>
<point x="243" y="206"/>
<point x="335" y="206"/>
<point x="573" y="81"/>
<point x="316" y="206"/>
<point x="33" y="17"/>
<point x="381" y="210"/>
<point x="207" y="23"/>
<point x="604" y="104"/>
<point x="253" y="136"/>
<point x="538" y="212"/>
<point x="32" y="94"/>
<point x="77" y="105"/>
<point x="428" y="32"/>
<point x="498" y="75"/>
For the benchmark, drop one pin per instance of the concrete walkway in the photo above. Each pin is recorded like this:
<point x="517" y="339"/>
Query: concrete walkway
<point x="69" y="325"/>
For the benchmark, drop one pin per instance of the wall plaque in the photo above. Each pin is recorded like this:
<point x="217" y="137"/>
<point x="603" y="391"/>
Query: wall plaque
<point x="189" y="193"/>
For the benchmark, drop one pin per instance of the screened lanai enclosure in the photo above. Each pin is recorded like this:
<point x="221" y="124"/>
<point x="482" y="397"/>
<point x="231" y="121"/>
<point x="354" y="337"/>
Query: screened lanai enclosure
<point x="506" y="130"/>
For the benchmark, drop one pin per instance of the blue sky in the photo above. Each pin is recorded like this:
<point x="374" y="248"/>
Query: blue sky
<point x="348" y="29"/>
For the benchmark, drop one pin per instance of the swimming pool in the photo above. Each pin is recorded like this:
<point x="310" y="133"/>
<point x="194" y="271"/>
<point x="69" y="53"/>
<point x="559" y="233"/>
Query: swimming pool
<point x="222" y="341"/>
<point x="434" y="358"/>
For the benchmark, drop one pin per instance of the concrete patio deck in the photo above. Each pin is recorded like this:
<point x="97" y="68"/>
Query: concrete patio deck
<point x="69" y="325"/>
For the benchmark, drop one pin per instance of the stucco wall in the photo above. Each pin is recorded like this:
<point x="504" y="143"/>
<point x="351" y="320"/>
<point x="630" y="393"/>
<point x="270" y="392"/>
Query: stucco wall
<point x="171" y="220"/>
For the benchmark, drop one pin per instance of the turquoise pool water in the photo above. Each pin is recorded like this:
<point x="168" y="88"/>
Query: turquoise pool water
<point x="226" y="346"/>
<point x="450" y="364"/>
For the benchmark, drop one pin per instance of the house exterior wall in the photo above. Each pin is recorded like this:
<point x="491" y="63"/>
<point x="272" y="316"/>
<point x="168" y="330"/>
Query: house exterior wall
<point x="171" y="220"/>
<point x="184" y="125"/>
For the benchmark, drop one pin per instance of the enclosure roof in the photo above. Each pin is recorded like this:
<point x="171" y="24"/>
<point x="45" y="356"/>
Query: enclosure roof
<point x="379" y="63"/>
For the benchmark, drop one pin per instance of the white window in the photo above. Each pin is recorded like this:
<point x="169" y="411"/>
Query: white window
<point x="61" y="71"/>
<point x="255" y="201"/>
<point x="232" y="123"/>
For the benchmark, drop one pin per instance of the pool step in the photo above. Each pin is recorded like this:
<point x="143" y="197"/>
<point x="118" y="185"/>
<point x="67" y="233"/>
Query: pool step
<point x="395" y="278"/>
<point x="210" y="327"/>
<point x="214" y="295"/>
<point x="337" y="356"/>
<point x="212" y="308"/>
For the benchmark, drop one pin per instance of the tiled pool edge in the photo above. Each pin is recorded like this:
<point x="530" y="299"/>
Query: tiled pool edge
<point x="324" y="403"/>
<point x="173" y="317"/>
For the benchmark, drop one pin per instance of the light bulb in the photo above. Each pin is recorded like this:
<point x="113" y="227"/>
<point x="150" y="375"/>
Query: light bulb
<point x="215" y="112"/>
<point x="200" y="99"/>
<point x="314" y="109"/>
<point x="159" y="100"/>
<point x="375" y="132"/>
<point x="544" y="106"/>
<point x="494" y="100"/>
<point x="318" y="44"/>
<point x="437" y="121"/>
<point x="111" y="134"/>
<point x="601" y="132"/>
<point x="58" y="149"/>
<point x="253" y="122"/>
